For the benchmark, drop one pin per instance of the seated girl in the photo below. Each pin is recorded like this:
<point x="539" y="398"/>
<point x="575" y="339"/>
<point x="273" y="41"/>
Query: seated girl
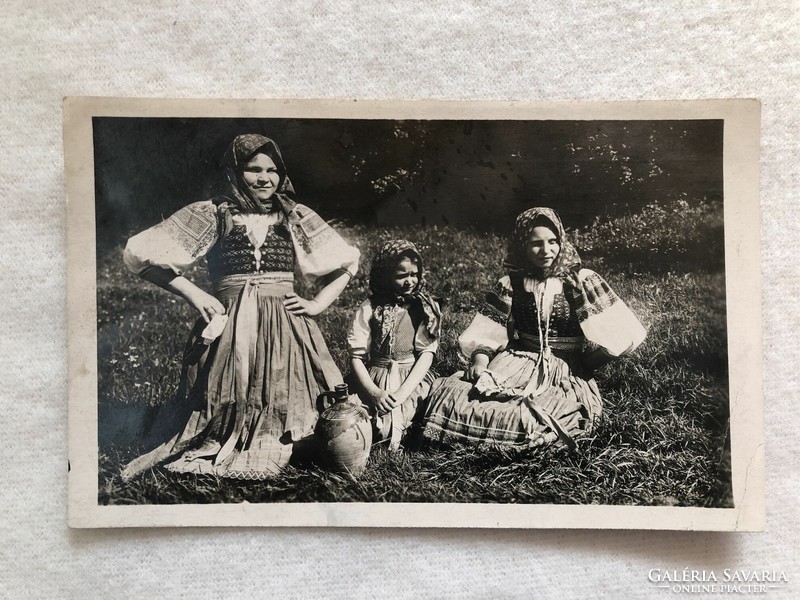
<point x="393" y="339"/>
<point x="533" y="348"/>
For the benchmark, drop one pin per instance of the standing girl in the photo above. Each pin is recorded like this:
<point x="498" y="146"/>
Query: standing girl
<point x="533" y="347"/>
<point x="256" y="360"/>
<point x="393" y="340"/>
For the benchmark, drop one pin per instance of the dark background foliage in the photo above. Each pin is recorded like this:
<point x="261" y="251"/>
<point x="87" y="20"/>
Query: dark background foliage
<point x="479" y="174"/>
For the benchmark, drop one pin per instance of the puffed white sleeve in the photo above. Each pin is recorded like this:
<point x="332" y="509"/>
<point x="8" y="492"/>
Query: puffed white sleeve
<point x="487" y="333"/>
<point x="359" y="337"/>
<point x="605" y="319"/>
<point x="319" y="249"/>
<point x="176" y="243"/>
<point x="424" y="340"/>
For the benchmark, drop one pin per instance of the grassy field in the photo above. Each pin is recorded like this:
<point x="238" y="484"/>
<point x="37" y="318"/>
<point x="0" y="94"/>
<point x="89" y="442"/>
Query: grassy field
<point x="662" y="440"/>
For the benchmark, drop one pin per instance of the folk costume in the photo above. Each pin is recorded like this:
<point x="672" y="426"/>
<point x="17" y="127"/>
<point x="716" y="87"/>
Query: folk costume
<point x="390" y="332"/>
<point x="535" y="327"/>
<point x="247" y="396"/>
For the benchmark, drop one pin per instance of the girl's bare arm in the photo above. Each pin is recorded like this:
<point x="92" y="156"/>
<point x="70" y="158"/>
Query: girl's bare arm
<point x="311" y="308"/>
<point x="206" y="304"/>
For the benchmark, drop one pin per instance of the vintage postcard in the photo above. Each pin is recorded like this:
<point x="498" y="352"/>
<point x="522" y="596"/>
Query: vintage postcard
<point x="414" y="314"/>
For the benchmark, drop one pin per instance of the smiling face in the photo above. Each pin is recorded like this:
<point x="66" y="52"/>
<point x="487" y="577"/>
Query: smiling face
<point x="261" y="177"/>
<point x="542" y="247"/>
<point x="405" y="276"/>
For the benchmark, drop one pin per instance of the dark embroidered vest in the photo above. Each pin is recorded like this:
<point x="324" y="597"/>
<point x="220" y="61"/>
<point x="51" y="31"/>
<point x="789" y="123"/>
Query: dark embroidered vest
<point x="403" y="334"/>
<point x="233" y="254"/>
<point x="563" y="320"/>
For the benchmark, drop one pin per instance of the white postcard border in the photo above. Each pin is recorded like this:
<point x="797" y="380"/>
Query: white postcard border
<point x="743" y="281"/>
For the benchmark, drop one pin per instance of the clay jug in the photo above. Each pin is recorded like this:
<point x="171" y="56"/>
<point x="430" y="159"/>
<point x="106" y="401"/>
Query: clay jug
<point x="343" y="431"/>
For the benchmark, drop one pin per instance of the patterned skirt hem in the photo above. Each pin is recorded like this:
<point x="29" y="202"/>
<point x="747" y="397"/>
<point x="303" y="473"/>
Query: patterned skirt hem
<point x="239" y="475"/>
<point x="450" y="432"/>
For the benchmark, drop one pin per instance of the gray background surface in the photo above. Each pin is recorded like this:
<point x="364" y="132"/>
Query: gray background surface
<point x="445" y="50"/>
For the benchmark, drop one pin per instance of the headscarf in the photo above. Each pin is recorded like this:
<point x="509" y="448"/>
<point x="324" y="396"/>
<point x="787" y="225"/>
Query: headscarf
<point x="241" y="149"/>
<point x="516" y="262"/>
<point x="383" y="297"/>
<point x="319" y="250"/>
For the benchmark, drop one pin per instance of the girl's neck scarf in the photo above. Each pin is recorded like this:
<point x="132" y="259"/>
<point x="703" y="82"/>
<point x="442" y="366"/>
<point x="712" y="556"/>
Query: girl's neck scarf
<point x="386" y="301"/>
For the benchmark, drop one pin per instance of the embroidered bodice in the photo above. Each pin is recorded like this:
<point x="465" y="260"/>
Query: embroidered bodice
<point x="277" y="242"/>
<point x="235" y="253"/>
<point x="586" y="308"/>
<point x="563" y="319"/>
<point x="400" y="343"/>
<point x="399" y="334"/>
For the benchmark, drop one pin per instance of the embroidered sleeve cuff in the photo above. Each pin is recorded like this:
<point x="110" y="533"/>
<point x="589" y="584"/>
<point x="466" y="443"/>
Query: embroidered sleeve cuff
<point x="159" y="275"/>
<point x="488" y="352"/>
<point x="358" y="353"/>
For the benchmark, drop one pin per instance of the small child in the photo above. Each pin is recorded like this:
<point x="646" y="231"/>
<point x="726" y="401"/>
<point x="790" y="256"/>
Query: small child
<point x="393" y="339"/>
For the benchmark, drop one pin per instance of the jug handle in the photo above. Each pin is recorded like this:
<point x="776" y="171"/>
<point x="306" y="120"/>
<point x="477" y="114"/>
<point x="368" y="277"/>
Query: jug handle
<point x="322" y="405"/>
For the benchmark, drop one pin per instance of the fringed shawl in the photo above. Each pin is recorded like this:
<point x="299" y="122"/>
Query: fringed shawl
<point x="604" y="318"/>
<point x="181" y="240"/>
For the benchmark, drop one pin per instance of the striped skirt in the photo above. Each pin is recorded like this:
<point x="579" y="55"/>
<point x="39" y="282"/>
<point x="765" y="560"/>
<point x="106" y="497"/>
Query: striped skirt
<point x="245" y="399"/>
<point x="521" y="400"/>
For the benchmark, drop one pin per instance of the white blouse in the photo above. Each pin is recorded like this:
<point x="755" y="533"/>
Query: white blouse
<point x="359" y="339"/>
<point x="184" y="238"/>
<point x="612" y="327"/>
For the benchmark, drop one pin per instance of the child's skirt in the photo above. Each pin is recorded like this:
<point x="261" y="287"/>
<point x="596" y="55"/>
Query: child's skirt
<point x="389" y="374"/>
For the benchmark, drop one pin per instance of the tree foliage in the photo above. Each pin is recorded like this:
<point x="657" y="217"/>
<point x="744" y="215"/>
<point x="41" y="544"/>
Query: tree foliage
<point x="477" y="174"/>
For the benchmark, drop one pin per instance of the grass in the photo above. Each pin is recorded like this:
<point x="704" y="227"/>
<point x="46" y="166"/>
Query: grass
<point x="662" y="440"/>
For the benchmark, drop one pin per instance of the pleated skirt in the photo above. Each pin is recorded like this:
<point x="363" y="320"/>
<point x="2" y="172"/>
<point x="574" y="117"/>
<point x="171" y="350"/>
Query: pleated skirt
<point x="246" y="399"/>
<point x="563" y="406"/>
<point x="389" y="375"/>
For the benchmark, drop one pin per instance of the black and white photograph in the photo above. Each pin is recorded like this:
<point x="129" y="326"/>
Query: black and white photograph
<point x="453" y="299"/>
<point x="455" y="307"/>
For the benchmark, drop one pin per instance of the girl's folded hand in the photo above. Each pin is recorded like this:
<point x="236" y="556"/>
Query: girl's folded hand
<point x="384" y="403"/>
<point x="477" y="366"/>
